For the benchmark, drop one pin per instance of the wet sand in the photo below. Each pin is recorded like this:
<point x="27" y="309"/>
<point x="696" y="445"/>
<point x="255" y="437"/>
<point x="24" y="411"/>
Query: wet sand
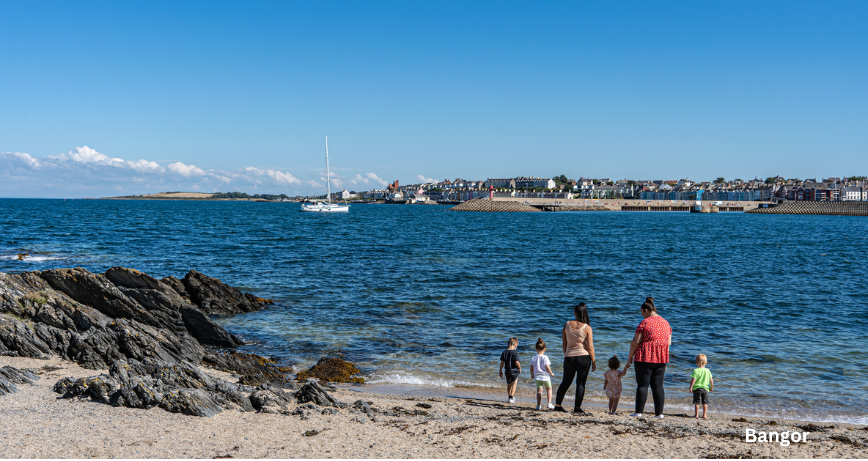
<point x="37" y="424"/>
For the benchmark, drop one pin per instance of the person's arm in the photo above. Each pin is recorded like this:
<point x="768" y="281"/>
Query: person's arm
<point x="501" y="368"/>
<point x="532" y="373"/>
<point x="589" y="346"/>
<point x="692" y="382"/>
<point x="637" y="339"/>
<point x="549" y="369"/>
<point x="605" y="382"/>
<point x="518" y="365"/>
<point x="624" y="371"/>
<point x="711" y="387"/>
<point x="564" y="339"/>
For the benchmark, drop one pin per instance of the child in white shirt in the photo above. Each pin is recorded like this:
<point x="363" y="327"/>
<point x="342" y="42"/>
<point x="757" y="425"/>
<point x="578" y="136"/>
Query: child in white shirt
<point x="541" y="370"/>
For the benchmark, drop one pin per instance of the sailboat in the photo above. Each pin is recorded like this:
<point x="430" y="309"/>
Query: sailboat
<point x="328" y="206"/>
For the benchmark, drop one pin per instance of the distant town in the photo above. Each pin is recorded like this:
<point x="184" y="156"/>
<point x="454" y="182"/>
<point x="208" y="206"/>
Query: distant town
<point x="853" y="188"/>
<point x="772" y="189"/>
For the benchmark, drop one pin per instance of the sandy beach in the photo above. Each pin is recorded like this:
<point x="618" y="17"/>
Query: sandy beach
<point x="38" y="424"/>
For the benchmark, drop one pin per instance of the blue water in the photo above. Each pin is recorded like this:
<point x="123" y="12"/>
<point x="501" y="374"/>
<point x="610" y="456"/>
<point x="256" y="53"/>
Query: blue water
<point x="418" y="295"/>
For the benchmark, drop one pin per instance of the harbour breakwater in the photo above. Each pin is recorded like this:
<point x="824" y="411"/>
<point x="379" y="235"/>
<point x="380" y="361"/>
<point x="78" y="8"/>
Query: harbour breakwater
<point x="484" y="204"/>
<point x="152" y="335"/>
<point x="816" y="208"/>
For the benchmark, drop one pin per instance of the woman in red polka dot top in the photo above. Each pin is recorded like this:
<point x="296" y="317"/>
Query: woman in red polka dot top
<point x="650" y="353"/>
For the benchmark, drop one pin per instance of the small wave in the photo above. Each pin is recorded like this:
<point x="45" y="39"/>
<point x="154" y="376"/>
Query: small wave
<point x="398" y="378"/>
<point x="32" y="258"/>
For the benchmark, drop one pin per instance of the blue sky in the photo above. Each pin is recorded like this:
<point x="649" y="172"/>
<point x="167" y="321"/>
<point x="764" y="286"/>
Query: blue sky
<point x="104" y="98"/>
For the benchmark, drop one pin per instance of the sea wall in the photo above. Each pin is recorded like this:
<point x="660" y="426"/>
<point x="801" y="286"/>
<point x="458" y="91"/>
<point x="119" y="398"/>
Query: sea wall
<point x="484" y="204"/>
<point x="817" y="208"/>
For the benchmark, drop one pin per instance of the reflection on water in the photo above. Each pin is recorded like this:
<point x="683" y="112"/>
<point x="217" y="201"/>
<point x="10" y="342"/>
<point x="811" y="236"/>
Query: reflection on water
<point x="420" y="296"/>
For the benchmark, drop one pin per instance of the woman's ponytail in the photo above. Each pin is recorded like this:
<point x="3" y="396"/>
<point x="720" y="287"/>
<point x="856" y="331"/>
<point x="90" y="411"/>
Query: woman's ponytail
<point x="648" y="305"/>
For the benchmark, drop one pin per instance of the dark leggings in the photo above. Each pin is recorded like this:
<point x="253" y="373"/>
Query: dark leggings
<point x="573" y="366"/>
<point x="650" y="374"/>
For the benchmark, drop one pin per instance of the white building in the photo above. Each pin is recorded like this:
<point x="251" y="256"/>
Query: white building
<point x="534" y="183"/>
<point x="853" y="194"/>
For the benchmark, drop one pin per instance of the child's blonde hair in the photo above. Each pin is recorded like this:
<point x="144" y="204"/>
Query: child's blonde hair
<point x="512" y="341"/>
<point x="701" y="360"/>
<point x="540" y="345"/>
<point x="614" y="363"/>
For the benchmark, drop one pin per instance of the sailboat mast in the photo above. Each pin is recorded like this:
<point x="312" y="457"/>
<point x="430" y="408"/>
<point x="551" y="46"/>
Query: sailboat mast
<point x="328" y="173"/>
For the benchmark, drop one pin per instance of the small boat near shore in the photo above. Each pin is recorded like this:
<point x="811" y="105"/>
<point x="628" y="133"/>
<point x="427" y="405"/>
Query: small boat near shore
<point x="327" y="206"/>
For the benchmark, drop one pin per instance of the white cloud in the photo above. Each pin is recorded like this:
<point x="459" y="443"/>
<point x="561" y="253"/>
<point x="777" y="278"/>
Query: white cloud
<point x="278" y="176"/>
<point x="85" y="156"/>
<point x="18" y="159"/>
<point x="368" y="179"/>
<point x="185" y="170"/>
<point x="425" y="180"/>
<point x="85" y="172"/>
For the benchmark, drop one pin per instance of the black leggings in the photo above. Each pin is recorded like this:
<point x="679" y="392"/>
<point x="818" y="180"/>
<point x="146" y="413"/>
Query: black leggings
<point x="573" y="366"/>
<point x="650" y="374"/>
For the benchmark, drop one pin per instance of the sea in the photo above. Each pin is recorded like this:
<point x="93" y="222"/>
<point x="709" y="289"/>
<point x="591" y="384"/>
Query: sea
<point x="424" y="299"/>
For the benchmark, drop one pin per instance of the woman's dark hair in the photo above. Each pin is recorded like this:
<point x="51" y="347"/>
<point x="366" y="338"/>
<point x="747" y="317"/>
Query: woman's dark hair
<point x="648" y="305"/>
<point x="614" y="363"/>
<point x="581" y="311"/>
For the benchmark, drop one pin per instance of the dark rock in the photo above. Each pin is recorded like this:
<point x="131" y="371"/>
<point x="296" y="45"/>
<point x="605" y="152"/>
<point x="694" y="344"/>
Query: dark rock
<point x="206" y="331"/>
<point x="332" y="369"/>
<point x="267" y="399"/>
<point x="63" y="385"/>
<point x="365" y="408"/>
<point x="329" y="411"/>
<point x="176" y="285"/>
<point x="7" y="387"/>
<point x="254" y="369"/>
<point x="10" y="376"/>
<point x="194" y="402"/>
<point x="131" y="278"/>
<point x="98" y="292"/>
<point x="175" y="387"/>
<point x="259" y="379"/>
<point x="312" y="392"/>
<point x="17" y="340"/>
<point x="215" y="297"/>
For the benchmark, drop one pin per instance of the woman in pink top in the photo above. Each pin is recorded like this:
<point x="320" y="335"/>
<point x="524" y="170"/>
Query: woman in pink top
<point x="578" y="346"/>
<point x="649" y="351"/>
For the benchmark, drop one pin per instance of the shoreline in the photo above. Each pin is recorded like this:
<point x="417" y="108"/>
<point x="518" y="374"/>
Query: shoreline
<point x="625" y="405"/>
<point x="40" y="425"/>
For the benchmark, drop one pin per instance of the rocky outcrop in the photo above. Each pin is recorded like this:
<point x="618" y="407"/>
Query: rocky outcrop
<point x="176" y="387"/>
<point x="215" y="297"/>
<point x="183" y="388"/>
<point x="98" y="319"/>
<point x="10" y="376"/>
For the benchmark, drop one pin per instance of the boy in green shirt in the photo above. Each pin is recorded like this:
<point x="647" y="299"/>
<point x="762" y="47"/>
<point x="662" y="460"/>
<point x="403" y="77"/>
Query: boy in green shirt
<point x="701" y="383"/>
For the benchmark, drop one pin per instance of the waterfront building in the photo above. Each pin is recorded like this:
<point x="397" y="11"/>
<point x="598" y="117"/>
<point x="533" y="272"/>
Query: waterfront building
<point x="502" y="183"/>
<point x="853" y="194"/>
<point x="534" y="183"/>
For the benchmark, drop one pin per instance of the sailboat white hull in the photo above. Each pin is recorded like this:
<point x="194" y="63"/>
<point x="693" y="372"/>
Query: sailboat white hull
<point x="326" y="208"/>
